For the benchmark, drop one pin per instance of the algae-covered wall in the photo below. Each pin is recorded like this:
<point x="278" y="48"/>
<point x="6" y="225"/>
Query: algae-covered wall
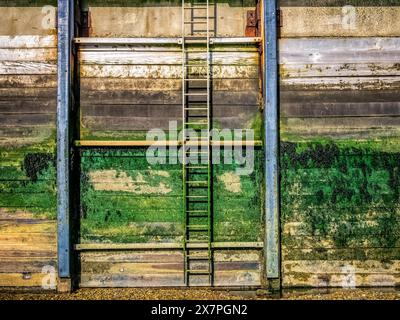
<point x="27" y="146"/>
<point x="126" y="200"/>
<point x="339" y="107"/>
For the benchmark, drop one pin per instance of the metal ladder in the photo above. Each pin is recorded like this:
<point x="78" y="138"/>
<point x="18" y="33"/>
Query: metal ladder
<point x="197" y="177"/>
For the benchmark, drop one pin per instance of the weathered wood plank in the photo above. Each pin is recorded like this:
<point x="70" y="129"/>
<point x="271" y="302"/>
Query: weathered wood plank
<point x="162" y="58"/>
<point x="28" y="81"/>
<point x="33" y="106"/>
<point x="341" y="254"/>
<point x="29" y="55"/>
<point x="340" y="280"/>
<point x="244" y="98"/>
<point x="339" y="69"/>
<point x="28" y="42"/>
<point x="10" y="120"/>
<point x="27" y="279"/>
<point x="151" y="72"/>
<point x="370" y="126"/>
<point x="157" y="110"/>
<point x="339" y="83"/>
<point x="326" y="19"/>
<point x="21" y="68"/>
<point x="113" y="84"/>
<point x="152" y="268"/>
<point x="349" y="109"/>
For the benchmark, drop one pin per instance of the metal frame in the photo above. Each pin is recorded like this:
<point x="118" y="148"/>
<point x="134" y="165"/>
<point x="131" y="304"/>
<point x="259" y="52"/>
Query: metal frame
<point x="272" y="228"/>
<point x="64" y="103"/>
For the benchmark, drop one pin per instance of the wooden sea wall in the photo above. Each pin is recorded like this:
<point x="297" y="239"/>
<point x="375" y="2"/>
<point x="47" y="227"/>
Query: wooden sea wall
<point x="28" y="81"/>
<point x="165" y="268"/>
<point x="127" y="200"/>
<point x="339" y="116"/>
<point x="127" y="90"/>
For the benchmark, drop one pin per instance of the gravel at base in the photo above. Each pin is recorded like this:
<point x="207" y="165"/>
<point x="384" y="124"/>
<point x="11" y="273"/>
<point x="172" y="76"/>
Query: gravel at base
<point x="202" y="294"/>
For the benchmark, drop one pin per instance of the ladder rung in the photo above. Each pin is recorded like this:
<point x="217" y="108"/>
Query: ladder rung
<point x="196" y="94"/>
<point x="197" y="167"/>
<point x="199" y="6"/>
<point x="197" y="65"/>
<point x="195" y="22"/>
<point x="196" y="181"/>
<point x="203" y="17"/>
<point x="197" y="79"/>
<point x="196" y="109"/>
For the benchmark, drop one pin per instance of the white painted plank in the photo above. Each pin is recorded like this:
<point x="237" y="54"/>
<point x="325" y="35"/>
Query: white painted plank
<point x="35" y="54"/>
<point x="13" y="67"/>
<point x="339" y="70"/>
<point x="162" y="58"/>
<point x="28" y="42"/>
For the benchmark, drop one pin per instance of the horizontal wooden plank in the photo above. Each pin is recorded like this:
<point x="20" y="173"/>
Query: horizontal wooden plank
<point x="340" y="280"/>
<point x="108" y="124"/>
<point x="20" y="68"/>
<point x="324" y="110"/>
<point x="344" y="96"/>
<point x="340" y="254"/>
<point x="113" y="84"/>
<point x="27" y="93"/>
<point x="154" y="110"/>
<point x="22" y="119"/>
<point x="340" y="83"/>
<point x="29" y="55"/>
<point x="28" y="42"/>
<point x="160" y="58"/>
<point x="366" y="241"/>
<point x="301" y="70"/>
<point x="27" y="279"/>
<point x="333" y="19"/>
<point x="339" y="51"/>
<point x="33" y="226"/>
<point x="25" y="106"/>
<point x="342" y="267"/>
<point x="149" y="71"/>
<point x="244" y="98"/>
<point x="25" y="265"/>
<point x="369" y="126"/>
<point x="28" y="81"/>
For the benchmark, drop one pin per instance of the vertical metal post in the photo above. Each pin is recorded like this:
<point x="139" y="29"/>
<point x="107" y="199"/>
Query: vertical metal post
<point x="64" y="101"/>
<point x="271" y="140"/>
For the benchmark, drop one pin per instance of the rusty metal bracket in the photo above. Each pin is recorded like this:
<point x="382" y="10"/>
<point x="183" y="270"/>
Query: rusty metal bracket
<point x="251" y="25"/>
